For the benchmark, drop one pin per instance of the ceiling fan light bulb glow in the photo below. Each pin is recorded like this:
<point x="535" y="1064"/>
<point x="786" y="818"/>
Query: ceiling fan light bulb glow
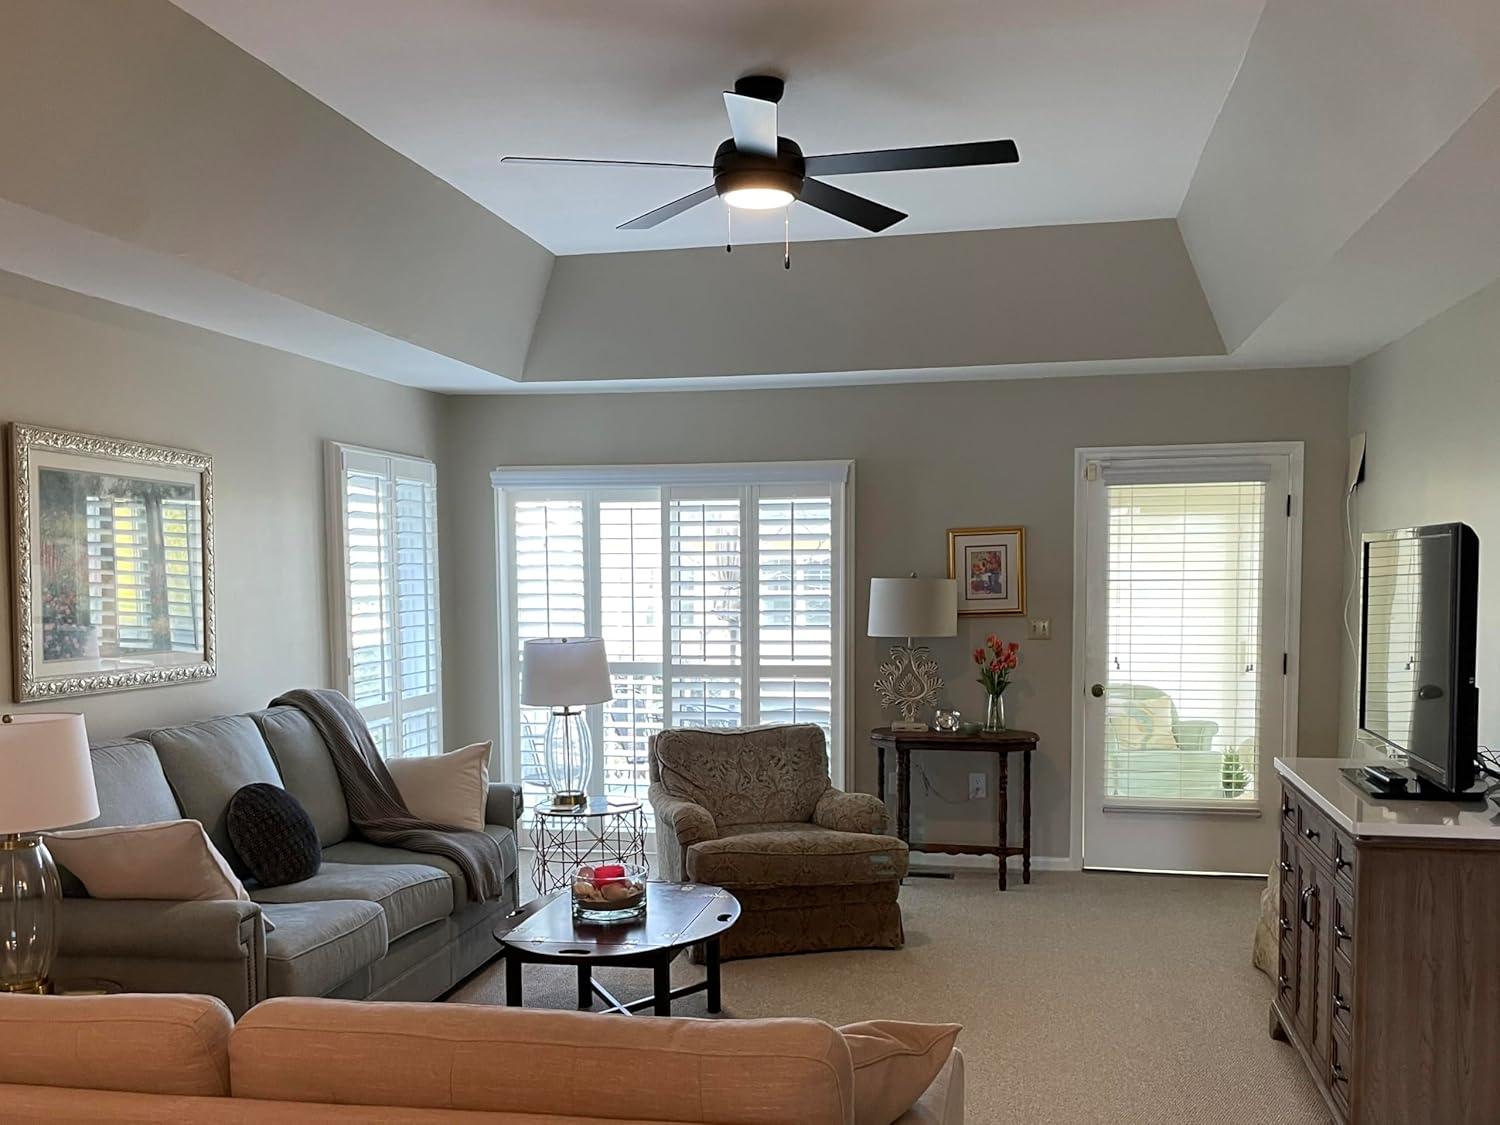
<point x="758" y="198"/>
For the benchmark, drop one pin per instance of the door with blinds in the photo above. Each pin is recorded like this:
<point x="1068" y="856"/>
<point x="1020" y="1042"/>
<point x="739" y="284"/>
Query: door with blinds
<point x="1189" y="567"/>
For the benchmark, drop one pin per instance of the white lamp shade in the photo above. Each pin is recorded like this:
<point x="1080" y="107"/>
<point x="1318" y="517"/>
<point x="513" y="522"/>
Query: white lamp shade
<point x="564" y="673"/>
<point x="913" y="607"/>
<point x="46" y="776"/>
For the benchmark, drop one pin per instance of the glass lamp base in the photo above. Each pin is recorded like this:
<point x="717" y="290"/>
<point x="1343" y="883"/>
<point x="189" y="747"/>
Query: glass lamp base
<point x="29" y="895"/>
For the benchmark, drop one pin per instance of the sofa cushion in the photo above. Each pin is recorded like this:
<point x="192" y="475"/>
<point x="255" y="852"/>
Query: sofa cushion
<point x="273" y="835"/>
<point x="362" y="851"/>
<point x="757" y="775"/>
<point x="307" y="769"/>
<point x="411" y="896"/>
<point x="207" y="763"/>
<point x="131" y="785"/>
<point x="895" y="1063"/>
<point x="515" y="1061"/>
<point x="166" y="1044"/>
<point x="795" y="855"/>
<point x="316" y="946"/>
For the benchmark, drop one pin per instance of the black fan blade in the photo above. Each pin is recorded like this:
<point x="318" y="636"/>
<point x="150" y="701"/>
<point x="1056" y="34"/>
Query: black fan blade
<point x="753" y="123"/>
<point x="903" y="159"/>
<point x="603" y="163"/>
<point x="846" y="205"/>
<point x="669" y="210"/>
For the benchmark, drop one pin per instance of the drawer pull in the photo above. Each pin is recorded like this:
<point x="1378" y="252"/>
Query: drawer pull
<point x="1339" y="863"/>
<point x="1286" y="868"/>
<point x="1286" y="927"/>
<point x="1341" y="933"/>
<point x="1309" y="900"/>
<point x="1282" y="983"/>
<point x="1338" y="1073"/>
<point x="1339" y="1003"/>
<point x="1310" y="833"/>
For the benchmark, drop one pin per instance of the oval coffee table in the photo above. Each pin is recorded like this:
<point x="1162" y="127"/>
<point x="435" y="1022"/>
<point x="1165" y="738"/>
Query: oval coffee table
<point x="677" y="915"/>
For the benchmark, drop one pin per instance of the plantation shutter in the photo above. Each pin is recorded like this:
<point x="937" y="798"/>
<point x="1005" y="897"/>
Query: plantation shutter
<point x="1185" y="567"/>
<point x="387" y="644"/>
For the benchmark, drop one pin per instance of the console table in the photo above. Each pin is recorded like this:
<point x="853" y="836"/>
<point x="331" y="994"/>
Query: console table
<point x="1002" y="744"/>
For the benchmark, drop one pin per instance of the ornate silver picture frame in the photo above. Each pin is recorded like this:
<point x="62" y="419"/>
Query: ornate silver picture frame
<point x="112" y="564"/>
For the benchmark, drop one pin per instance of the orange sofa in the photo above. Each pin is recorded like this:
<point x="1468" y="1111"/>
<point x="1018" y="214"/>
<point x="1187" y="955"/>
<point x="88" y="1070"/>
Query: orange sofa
<point x="177" y="1058"/>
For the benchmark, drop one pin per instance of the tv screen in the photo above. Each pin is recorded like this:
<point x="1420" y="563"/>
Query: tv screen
<point x="1417" y="675"/>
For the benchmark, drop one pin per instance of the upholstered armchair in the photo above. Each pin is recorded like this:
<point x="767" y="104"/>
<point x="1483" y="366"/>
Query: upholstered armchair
<point x="753" y="810"/>
<point x="1160" y="754"/>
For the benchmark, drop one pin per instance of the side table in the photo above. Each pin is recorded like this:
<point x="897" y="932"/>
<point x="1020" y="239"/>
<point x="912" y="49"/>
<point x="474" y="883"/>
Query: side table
<point x="606" y="830"/>
<point x="1002" y="744"/>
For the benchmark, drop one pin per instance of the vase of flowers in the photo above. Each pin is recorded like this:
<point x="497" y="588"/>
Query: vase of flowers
<point x="996" y="660"/>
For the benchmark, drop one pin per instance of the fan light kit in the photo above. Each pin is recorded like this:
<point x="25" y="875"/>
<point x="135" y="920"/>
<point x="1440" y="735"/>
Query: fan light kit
<point x="757" y="169"/>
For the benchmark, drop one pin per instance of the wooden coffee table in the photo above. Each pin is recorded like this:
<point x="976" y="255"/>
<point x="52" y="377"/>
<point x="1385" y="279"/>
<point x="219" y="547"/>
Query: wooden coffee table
<point x="677" y="915"/>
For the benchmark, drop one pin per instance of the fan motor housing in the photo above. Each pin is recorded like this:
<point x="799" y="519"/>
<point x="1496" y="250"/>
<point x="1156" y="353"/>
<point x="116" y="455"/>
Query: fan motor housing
<point x="734" y="169"/>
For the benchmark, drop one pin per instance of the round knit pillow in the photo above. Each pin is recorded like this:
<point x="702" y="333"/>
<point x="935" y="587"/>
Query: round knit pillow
<point x="273" y="835"/>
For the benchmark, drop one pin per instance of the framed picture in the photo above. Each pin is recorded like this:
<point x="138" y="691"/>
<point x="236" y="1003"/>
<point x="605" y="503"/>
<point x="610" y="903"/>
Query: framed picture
<point x="113" y="563"/>
<point x="990" y="565"/>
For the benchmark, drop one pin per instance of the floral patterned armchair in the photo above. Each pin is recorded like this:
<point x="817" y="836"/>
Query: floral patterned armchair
<point x="753" y="810"/>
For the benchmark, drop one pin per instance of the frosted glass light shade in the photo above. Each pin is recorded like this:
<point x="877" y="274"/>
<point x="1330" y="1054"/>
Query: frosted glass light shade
<point x="46" y="776"/>
<point x="913" y="607"/>
<point x="564" y="673"/>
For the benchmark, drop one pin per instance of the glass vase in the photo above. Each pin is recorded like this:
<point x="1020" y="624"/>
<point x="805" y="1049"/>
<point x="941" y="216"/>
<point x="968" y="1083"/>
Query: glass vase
<point x="994" y="713"/>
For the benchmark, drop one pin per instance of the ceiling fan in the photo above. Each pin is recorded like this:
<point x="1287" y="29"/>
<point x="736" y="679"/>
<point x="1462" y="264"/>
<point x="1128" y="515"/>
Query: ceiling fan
<point x="756" y="169"/>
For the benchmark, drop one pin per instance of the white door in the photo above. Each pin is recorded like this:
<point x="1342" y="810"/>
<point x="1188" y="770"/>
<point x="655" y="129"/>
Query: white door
<point x="1189" y="564"/>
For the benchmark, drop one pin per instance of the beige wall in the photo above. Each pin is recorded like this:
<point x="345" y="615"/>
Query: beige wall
<point x="928" y="457"/>
<point x="81" y="364"/>
<point x="1430" y="404"/>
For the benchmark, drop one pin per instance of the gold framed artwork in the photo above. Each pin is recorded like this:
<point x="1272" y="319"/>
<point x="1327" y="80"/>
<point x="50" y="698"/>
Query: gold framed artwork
<point x="112" y="564"/>
<point x="990" y="565"/>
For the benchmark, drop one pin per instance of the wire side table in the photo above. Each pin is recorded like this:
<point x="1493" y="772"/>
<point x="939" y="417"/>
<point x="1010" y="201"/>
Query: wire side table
<point x="606" y="830"/>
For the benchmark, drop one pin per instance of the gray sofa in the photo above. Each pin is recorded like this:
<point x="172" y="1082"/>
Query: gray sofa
<point x="375" y="923"/>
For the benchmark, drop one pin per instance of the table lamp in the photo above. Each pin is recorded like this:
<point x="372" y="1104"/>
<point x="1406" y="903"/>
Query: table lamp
<point x="911" y="607"/>
<point x="566" y="674"/>
<point x="46" y="781"/>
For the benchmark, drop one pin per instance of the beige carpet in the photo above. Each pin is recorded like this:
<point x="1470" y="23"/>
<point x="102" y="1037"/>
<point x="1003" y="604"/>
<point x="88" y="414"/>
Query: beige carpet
<point x="1084" y="997"/>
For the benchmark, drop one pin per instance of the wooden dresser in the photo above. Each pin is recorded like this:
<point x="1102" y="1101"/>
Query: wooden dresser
<point x="1389" y="966"/>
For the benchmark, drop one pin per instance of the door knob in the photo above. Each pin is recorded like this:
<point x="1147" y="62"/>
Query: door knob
<point x="1097" y="691"/>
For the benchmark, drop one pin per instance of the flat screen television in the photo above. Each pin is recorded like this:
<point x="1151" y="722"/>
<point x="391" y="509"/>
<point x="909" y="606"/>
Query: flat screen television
<point x="1417" y="641"/>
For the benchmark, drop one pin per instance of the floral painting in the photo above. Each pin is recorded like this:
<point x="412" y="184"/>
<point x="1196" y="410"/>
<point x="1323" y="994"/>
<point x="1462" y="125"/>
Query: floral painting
<point x="990" y="564"/>
<point x="113" y="563"/>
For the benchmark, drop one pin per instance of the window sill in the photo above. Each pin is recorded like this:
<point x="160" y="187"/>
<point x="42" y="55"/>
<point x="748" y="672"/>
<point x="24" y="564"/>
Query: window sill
<point x="1181" y="808"/>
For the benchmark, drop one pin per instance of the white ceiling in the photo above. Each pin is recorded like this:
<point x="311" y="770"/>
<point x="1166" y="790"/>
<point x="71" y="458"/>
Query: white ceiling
<point x="1110" y="102"/>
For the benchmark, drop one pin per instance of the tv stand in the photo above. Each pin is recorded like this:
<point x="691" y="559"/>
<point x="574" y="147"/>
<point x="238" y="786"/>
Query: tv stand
<point x="1411" y="786"/>
<point x="1389" y="919"/>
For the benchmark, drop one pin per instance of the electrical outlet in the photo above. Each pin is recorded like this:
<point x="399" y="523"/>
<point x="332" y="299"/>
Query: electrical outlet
<point x="1041" y="628"/>
<point x="976" y="787"/>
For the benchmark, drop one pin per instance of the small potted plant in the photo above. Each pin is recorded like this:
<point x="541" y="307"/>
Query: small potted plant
<point x="996" y="660"/>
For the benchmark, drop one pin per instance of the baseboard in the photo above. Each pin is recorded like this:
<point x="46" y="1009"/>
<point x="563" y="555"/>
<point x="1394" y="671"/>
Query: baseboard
<point x="938" y="861"/>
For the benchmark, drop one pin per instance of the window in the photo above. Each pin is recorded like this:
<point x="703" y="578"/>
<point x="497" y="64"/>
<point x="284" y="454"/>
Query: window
<point x="719" y="592"/>
<point x="386" y="645"/>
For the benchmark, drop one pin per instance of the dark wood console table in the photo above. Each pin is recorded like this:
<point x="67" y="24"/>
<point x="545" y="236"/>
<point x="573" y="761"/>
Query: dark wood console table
<point x="1002" y="744"/>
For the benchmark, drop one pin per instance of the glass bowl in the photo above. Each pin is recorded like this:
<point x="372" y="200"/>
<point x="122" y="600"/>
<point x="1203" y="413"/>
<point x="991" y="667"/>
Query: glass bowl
<point x="609" y="892"/>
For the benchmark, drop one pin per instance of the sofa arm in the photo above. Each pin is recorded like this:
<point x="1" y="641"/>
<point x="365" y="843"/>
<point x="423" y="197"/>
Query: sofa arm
<point x="690" y="823"/>
<point x="503" y="805"/>
<point x="189" y="931"/>
<point x="215" y="948"/>
<point x="851" y="812"/>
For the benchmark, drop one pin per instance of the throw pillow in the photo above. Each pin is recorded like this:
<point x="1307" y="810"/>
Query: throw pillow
<point x="447" y="789"/>
<point x="894" y="1063"/>
<point x="273" y="835"/>
<point x="173" y="861"/>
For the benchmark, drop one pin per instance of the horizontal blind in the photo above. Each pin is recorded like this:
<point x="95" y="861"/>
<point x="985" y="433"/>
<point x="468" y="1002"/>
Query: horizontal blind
<point x="1185" y="573"/>
<point x="419" y="661"/>
<point x="1393" y="642"/>
<point x="630" y="616"/>
<point x="705" y="646"/>
<point x="794" y="593"/>
<point x="367" y="586"/>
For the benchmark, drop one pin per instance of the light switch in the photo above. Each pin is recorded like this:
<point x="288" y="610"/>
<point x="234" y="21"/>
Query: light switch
<point x="1041" y="628"/>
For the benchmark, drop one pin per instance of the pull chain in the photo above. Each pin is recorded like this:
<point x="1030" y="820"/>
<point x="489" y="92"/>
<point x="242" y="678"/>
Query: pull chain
<point x="786" y="234"/>
<point x="729" y="229"/>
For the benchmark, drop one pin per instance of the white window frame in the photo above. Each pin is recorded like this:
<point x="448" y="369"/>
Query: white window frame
<point x="339" y="458"/>
<point x="618" y="481"/>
